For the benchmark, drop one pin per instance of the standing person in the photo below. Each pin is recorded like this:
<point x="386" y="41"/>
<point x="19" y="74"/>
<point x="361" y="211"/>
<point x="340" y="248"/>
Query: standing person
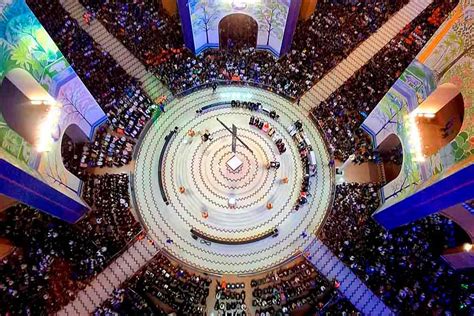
<point x="162" y="107"/>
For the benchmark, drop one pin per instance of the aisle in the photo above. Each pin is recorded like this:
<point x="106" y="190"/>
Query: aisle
<point x="150" y="83"/>
<point x="351" y="286"/>
<point x="362" y="54"/>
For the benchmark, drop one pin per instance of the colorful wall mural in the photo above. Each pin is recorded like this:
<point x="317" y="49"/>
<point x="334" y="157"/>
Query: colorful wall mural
<point x="25" y="44"/>
<point x="447" y="58"/>
<point x="276" y="21"/>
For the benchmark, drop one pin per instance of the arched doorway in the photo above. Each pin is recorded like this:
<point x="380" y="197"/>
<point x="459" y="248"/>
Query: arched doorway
<point x="237" y="31"/>
<point x="72" y="145"/>
<point x="439" y="118"/>
<point x="391" y="157"/>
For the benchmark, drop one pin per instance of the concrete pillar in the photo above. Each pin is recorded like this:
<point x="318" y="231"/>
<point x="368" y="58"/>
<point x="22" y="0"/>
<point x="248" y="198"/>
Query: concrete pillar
<point x="170" y="6"/>
<point x="307" y="8"/>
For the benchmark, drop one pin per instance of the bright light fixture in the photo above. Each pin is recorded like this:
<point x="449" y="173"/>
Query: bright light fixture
<point x="427" y="115"/>
<point x="467" y="247"/>
<point x="45" y="102"/>
<point x="414" y="138"/>
<point x="46" y="128"/>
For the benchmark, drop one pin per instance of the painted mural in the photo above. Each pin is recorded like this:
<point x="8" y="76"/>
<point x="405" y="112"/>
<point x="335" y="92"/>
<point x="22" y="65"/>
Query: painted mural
<point x="25" y="44"/>
<point x="447" y="58"/>
<point x="270" y="15"/>
<point x="391" y="117"/>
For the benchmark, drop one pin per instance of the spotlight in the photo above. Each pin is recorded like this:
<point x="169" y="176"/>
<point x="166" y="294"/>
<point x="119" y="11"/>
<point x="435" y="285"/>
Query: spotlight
<point x="46" y="128"/>
<point x="415" y="139"/>
<point x="467" y="247"/>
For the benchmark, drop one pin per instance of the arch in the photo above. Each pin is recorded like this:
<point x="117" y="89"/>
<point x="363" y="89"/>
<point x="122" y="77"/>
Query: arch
<point x="391" y="157"/>
<point x="461" y="215"/>
<point x="440" y="118"/>
<point x="75" y="133"/>
<point x="238" y="30"/>
<point x="72" y="144"/>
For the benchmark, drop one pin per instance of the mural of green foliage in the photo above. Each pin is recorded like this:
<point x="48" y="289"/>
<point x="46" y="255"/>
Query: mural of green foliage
<point x="272" y="18"/>
<point x="4" y="59"/>
<point x="270" y="15"/>
<point x="463" y="146"/>
<point x="205" y="15"/>
<point x="24" y="44"/>
<point x="14" y="144"/>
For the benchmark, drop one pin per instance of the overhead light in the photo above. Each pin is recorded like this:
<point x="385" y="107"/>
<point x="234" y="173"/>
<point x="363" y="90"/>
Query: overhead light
<point x="414" y="138"/>
<point x="467" y="247"/>
<point x="44" y="102"/>
<point x="46" y="128"/>
<point x="427" y="115"/>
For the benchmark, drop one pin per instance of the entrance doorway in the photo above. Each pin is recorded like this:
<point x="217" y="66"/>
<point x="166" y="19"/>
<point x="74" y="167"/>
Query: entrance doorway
<point x="391" y="156"/>
<point x="238" y="31"/>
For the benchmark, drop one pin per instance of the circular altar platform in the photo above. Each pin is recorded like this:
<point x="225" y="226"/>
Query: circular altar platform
<point x="230" y="201"/>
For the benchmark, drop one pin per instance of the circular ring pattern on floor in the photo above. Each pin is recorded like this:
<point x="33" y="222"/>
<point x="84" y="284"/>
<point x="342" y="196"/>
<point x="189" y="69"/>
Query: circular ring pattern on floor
<point x="212" y="182"/>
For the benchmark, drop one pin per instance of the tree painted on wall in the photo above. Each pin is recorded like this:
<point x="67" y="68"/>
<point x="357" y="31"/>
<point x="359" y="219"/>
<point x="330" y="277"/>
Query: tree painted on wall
<point x="76" y="105"/>
<point x="4" y="59"/>
<point x="32" y="49"/>
<point x="205" y="15"/>
<point x="271" y="17"/>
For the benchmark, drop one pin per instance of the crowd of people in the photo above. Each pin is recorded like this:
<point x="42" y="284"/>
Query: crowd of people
<point x="142" y="26"/>
<point x="402" y="266"/>
<point x="337" y="26"/>
<point x="107" y="150"/>
<point x="392" y="156"/>
<point x="109" y="199"/>
<point x="71" y="154"/>
<point x="342" y="113"/>
<point x="175" y="288"/>
<point x="125" y="104"/>
<point x="152" y="35"/>
<point x="298" y="287"/>
<point x="230" y="299"/>
<point x="125" y="301"/>
<point x="319" y="44"/>
<point x="52" y="259"/>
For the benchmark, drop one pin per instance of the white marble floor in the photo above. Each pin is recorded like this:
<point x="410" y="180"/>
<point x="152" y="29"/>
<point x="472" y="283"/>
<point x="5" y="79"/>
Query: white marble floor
<point x="201" y="169"/>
